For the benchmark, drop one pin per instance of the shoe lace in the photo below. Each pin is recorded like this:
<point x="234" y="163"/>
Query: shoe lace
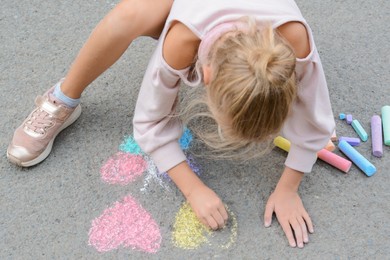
<point x="39" y="121"/>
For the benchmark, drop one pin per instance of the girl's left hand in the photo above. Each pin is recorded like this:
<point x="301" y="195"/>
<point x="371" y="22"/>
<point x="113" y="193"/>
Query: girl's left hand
<point x="291" y="215"/>
<point x="290" y="212"/>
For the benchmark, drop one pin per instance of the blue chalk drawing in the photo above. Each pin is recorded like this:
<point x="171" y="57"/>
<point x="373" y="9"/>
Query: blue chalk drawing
<point x="129" y="145"/>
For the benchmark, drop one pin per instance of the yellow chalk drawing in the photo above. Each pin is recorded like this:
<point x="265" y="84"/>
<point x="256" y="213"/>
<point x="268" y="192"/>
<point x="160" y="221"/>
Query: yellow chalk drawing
<point x="232" y="227"/>
<point x="190" y="233"/>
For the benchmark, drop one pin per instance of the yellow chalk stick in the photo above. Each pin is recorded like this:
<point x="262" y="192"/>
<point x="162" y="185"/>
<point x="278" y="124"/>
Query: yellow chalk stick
<point x="282" y="143"/>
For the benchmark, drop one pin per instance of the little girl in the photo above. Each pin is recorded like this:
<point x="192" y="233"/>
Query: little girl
<point x="262" y="75"/>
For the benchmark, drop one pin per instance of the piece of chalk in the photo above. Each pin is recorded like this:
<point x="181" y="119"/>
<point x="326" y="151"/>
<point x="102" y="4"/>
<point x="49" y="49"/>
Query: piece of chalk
<point x="376" y="136"/>
<point x="353" y="141"/>
<point x="342" y="116"/>
<point x="349" y="119"/>
<point x="359" y="130"/>
<point x="386" y="124"/>
<point x="358" y="159"/>
<point x="334" y="160"/>
<point x="282" y="143"/>
<point x="330" y="146"/>
<point x="334" y="136"/>
<point x="325" y="155"/>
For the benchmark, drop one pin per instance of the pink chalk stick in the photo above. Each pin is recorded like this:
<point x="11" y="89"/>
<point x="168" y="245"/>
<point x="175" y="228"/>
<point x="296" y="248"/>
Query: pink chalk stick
<point x="335" y="160"/>
<point x="353" y="141"/>
<point x="376" y="133"/>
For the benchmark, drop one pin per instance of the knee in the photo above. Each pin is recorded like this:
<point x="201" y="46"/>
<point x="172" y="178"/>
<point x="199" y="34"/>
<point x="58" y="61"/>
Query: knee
<point x="125" y="20"/>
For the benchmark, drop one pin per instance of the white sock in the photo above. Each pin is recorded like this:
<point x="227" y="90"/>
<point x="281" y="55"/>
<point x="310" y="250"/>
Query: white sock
<point x="70" y="102"/>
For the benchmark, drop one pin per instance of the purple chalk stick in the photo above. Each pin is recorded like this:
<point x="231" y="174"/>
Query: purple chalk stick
<point x="349" y="119"/>
<point x="351" y="140"/>
<point x="376" y="133"/>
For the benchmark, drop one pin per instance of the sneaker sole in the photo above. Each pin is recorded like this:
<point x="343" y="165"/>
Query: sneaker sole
<point x="72" y="118"/>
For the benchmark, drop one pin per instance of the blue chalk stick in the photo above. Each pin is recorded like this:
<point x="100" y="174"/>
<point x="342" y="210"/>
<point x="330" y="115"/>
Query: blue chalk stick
<point x="359" y="130"/>
<point x="358" y="159"/>
<point x="342" y="116"/>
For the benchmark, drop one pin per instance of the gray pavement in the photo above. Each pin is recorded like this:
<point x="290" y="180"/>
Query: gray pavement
<point x="47" y="210"/>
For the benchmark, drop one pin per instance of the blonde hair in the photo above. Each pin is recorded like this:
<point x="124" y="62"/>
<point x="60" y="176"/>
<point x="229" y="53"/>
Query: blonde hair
<point x="250" y="92"/>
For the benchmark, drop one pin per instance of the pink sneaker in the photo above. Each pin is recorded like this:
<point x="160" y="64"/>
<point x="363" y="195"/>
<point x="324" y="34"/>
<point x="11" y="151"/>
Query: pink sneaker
<point x="33" y="140"/>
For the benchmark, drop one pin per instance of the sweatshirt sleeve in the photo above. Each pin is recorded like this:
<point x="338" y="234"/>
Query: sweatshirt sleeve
<point x="311" y="122"/>
<point x="156" y="129"/>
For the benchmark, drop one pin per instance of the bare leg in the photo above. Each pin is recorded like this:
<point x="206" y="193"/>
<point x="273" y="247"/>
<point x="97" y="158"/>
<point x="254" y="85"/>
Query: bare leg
<point x="111" y="37"/>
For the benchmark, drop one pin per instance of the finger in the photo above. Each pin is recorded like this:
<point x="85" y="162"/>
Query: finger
<point x="219" y="219"/>
<point x="297" y="232"/>
<point x="204" y="222"/>
<point x="269" y="210"/>
<point x="288" y="231"/>
<point x="308" y="221"/>
<point x="224" y="214"/>
<point x="212" y="223"/>
<point x="305" y="235"/>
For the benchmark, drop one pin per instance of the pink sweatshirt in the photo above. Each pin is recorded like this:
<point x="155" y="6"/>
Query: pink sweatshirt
<point x="308" y="127"/>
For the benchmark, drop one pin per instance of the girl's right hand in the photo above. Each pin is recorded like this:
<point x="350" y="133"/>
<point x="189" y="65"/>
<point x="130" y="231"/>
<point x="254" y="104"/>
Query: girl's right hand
<point x="208" y="207"/>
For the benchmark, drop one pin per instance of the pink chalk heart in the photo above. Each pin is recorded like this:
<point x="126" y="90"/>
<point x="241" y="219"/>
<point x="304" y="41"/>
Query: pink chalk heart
<point x="126" y="224"/>
<point x="123" y="168"/>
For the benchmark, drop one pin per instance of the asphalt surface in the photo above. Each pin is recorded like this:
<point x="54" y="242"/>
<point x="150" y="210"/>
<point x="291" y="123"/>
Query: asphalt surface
<point x="47" y="211"/>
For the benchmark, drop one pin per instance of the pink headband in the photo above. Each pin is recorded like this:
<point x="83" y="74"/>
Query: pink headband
<point x="215" y="33"/>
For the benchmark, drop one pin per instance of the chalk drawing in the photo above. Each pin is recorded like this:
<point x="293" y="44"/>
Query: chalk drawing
<point x="129" y="225"/>
<point x="125" y="224"/>
<point x="123" y="168"/>
<point x="190" y="233"/>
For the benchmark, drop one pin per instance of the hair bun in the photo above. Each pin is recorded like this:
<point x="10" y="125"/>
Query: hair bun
<point x="274" y="60"/>
<point x="260" y="60"/>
